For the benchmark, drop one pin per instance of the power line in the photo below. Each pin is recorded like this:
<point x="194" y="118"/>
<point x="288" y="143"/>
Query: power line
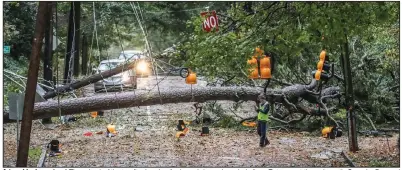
<point x="159" y="12"/>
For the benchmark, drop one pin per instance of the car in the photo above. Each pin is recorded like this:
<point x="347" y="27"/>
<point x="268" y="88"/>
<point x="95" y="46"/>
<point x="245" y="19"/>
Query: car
<point x="143" y="66"/>
<point x="131" y="55"/>
<point x="126" y="79"/>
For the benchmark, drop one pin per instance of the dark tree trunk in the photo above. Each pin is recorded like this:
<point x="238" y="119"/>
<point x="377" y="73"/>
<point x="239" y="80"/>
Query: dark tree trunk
<point x="349" y="99"/>
<point x="47" y="59"/>
<point x="77" y="36"/>
<point x="130" y="99"/>
<point x="68" y="54"/>
<point x="84" y="63"/>
<point x="26" y="125"/>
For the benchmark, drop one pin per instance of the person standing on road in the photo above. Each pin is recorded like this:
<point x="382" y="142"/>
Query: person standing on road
<point x="262" y="120"/>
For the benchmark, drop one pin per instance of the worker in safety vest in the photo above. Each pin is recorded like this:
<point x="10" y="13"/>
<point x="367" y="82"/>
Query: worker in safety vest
<point x="262" y="120"/>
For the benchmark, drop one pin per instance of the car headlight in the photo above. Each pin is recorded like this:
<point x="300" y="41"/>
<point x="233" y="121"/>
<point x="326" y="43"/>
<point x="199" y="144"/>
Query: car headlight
<point x="142" y="66"/>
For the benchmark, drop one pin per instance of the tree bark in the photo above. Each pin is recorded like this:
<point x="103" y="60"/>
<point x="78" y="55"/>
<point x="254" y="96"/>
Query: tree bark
<point x="47" y="59"/>
<point x="26" y="125"/>
<point x="77" y="36"/>
<point x="130" y="99"/>
<point x="349" y="99"/>
<point x="69" y="52"/>
<point x="92" y="79"/>
<point x="84" y="55"/>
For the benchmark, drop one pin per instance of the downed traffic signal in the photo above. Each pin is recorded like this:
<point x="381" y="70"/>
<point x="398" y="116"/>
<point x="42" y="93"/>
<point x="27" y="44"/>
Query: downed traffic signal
<point x="254" y="68"/>
<point x="191" y="78"/>
<point x="265" y="67"/>
<point x="323" y="67"/>
<point x="260" y="65"/>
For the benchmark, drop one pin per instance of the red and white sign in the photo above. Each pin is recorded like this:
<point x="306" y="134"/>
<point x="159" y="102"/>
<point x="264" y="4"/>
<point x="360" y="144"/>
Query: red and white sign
<point x="211" y="21"/>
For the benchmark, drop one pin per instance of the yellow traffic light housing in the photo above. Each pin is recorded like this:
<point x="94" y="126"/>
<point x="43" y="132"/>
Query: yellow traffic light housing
<point x="253" y="73"/>
<point x="191" y="78"/>
<point x="265" y="67"/>
<point x="265" y="62"/>
<point x="317" y="75"/>
<point x="266" y="73"/>
<point x="252" y="61"/>
<point x="322" y="55"/>
<point x="323" y="67"/>
<point x="260" y="67"/>
<point x="320" y="65"/>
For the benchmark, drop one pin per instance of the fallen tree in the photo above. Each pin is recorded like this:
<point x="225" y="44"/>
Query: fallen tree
<point x="91" y="79"/>
<point x="289" y="96"/>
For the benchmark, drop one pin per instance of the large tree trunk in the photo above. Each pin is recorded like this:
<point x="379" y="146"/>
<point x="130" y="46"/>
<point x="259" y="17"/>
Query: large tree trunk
<point x="131" y="99"/>
<point x="84" y="55"/>
<point x="349" y="99"/>
<point x="69" y="52"/>
<point x="77" y="36"/>
<point x="47" y="59"/>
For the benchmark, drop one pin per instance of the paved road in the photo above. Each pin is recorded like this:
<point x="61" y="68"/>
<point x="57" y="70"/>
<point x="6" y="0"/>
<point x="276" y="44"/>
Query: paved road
<point x="150" y="83"/>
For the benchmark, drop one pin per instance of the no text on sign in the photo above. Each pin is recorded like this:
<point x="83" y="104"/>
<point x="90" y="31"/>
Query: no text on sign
<point x="6" y="49"/>
<point x="211" y="21"/>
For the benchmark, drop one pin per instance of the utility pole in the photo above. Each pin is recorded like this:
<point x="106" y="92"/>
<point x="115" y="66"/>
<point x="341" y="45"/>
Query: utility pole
<point x="47" y="59"/>
<point x="26" y="125"/>
<point x="349" y="99"/>
<point x="77" y="35"/>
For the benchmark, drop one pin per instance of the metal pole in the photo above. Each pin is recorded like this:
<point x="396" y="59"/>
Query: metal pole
<point x="26" y="125"/>
<point x="18" y="128"/>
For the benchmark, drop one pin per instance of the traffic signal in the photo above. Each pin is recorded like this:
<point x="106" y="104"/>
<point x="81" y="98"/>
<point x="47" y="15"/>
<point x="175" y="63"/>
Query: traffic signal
<point x="260" y="65"/>
<point x="254" y="68"/>
<point x="323" y="67"/>
<point x="191" y="77"/>
<point x="265" y="67"/>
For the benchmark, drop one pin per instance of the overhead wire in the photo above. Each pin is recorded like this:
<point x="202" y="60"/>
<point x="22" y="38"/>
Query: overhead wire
<point x="163" y="12"/>
<point x="149" y="51"/>
<point x="97" y="42"/>
<point x="150" y="54"/>
<point x="125" y="62"/>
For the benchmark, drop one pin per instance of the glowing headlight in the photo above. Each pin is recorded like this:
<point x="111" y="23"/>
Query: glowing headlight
<point x="142" y="66"/>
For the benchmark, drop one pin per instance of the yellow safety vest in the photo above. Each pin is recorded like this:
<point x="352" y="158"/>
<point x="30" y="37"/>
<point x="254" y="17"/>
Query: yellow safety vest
<point x="262" y="116"/>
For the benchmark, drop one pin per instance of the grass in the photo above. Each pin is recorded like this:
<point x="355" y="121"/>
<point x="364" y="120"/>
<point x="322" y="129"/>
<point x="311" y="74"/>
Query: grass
<point x="379" y="163"/>
<point x="34" y="154"/>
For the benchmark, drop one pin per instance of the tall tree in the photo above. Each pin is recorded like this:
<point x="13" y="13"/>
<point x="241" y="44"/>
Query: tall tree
<point x="84" y="54"/>
<point x="77" y="37"/>
<point x="47" y="59"/>
<point x="68" y="63"/>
